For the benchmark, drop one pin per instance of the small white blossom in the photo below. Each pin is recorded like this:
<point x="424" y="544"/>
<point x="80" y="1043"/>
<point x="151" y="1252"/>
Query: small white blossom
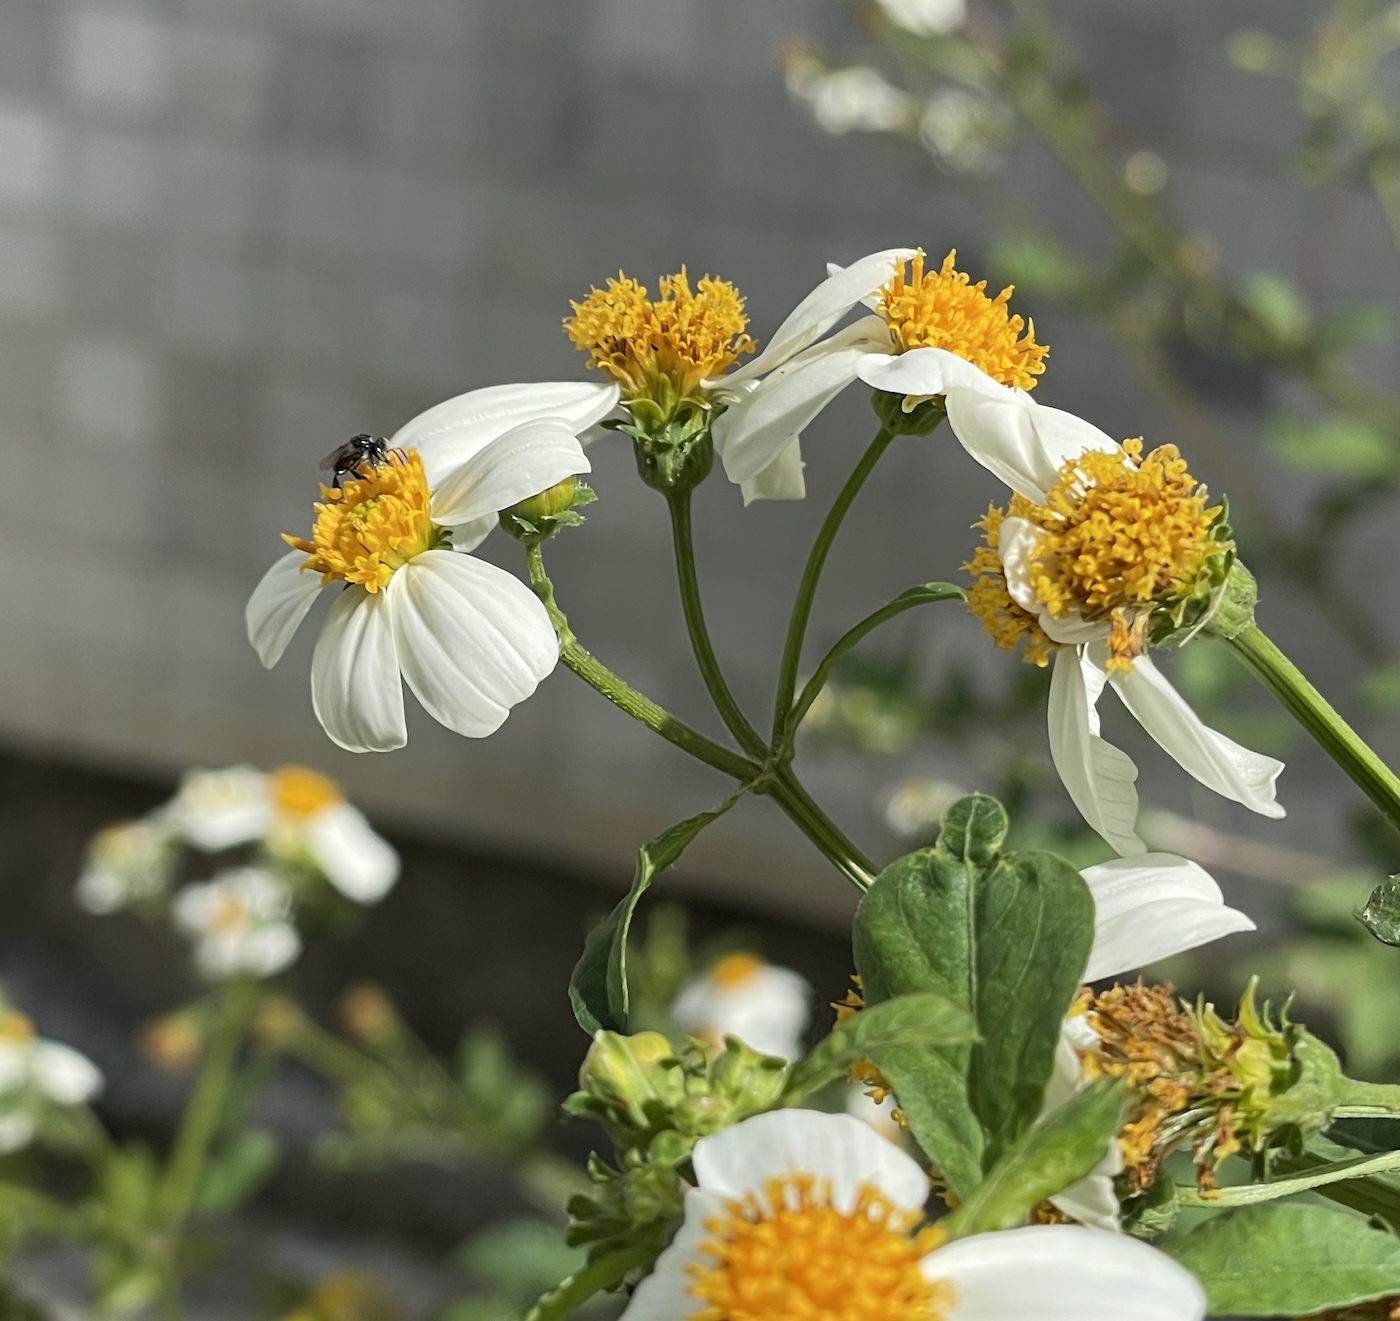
<point x="926" y="18"/>
<point x="767" y="1008"/>
<point x="35" y="1073"/>
<point x="126" y="863"/>
<point x="240" y="922"/>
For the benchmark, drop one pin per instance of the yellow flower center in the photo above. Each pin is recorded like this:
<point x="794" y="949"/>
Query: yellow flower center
<point x="945" y="310"/>
<point x="1119" y="535"/>
<point x="228" y="916"/>
<point x="301" y="793"/>
<point x="372" y="524"/>
<point x="661" y="349"/>
<point x="736" y="971"/>
<point x="798" y="1258"/>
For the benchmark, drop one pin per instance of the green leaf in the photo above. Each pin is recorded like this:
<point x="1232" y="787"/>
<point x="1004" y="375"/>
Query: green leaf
<point x="1340" y="446"/>
<point x="922" y="1020"/>
<point x="598" y="987"/>
<point x="1279" y="304"/>
<point x="1057" y="1152"/>
<point x="234" y="1174"/>
<point x="1287" y="1260"/>
<point x="1006" y="937"/>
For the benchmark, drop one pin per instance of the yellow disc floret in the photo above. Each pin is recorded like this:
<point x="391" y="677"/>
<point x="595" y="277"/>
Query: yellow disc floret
<point x="735" y="971"/>
<point x="372" y="524"/>
<point x="795" y="1257"/>
<point x="661" y="349"/>
<point x="945" y="310"/>
<point x="989" y="599"/>
<point x="301" y="793"/>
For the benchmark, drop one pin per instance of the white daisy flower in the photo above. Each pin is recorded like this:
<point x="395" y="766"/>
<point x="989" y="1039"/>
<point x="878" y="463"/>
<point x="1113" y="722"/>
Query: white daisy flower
<point x="926" y="18"/>
<point x="240" y="922"/>
<point x="1099" y="544"/>
<point x="217" y="810"/>
<point x="126" y="863"/>
<point x="767" y="1008"/>
<point x="1146" y="909"/>
<point x="930" y="330"/>
<point x="798" y="1213"/>
<point x="34" y="1073"/>
<point x="470" y="639"/>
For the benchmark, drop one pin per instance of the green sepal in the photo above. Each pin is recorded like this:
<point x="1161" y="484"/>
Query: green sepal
<point x="1058" y="1151"/>
<point x="1287" y="1259"/>
<point x="923" y="1020"/>
<point x="1006" y="937"/>
<point x="598" y="987"/>
<point x="923" y="418"/>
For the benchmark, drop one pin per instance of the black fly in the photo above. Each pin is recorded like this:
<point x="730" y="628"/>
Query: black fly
<point x="351" y="458"/>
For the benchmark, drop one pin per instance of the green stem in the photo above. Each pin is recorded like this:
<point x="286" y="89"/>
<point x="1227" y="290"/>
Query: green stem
<point x="682" y="543"/>
<point x="622" y="695"/>
<point x="1250" y="1194"/>
<point x="1368" y="1100"/>
<point x="790" y="794"/>
<point x="605" y="1273"/>
<point x="811" y="576"/>
<point x="1308" y="706"/>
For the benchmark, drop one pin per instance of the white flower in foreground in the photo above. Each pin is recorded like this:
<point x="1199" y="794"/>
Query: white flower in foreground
<point x="1099" y="545"/>
<point x="470" y="639"/>
<point x="126" y="863"/>
<point x="931" y="330"/>
<point x="240" y="922"/>
<point x="767" y="1008"/>
<point x="35" y="1073"/>
<point x="1146" y="909"/>
<point x="926" y="18"/>
<point x="801" y="1214"/>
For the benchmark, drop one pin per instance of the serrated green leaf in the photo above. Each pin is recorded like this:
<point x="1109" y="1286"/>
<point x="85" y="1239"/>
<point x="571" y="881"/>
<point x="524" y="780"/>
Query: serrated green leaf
<point x="1007" y="937"/>
<point x="598" y="987"/>
<point x="922" y="1021"/>
<point x="1292" y="1259"/>
<point x="1055" y="1153"/>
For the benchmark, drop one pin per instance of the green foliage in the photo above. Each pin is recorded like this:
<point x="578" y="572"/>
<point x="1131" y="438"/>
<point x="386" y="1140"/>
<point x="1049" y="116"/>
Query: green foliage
<point x="1289" y="1259"/>
<point x="1340" y="446"/>
<point x="1005" y="936"/>
<point x="1279" y="306"/>
<point x="1034" y="266"/>
<point x="234" y="1173"/>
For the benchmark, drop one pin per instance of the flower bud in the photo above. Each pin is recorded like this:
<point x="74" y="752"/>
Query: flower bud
<point x="630" y="1077"/>
<point x="368" y="1013"/>
<point x="542" y="515"/>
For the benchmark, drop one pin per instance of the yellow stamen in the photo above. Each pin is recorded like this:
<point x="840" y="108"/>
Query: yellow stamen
<point x="661" y="349"/>
<point x="945" y="310"/>
<point x="863" y="1071"/>
<point x="798" y="1258"/>
<point x="372" y="524"/>
<point x="736" y="970"/>
<point x="301" y="793"/>
<point x="988" y="598"/>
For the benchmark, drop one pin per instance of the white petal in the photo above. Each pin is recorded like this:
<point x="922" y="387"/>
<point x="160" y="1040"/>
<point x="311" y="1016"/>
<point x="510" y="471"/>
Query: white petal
<point x="64" y="1075"/>
<point x="519" y="463"/>
<point x="358" y="862"/>
<point x="217" y="810"/>
<point x="932" y="372"/>
<point x="1018" y="544"/>
<point x="472" y="639"/>
<point x="468" y="536"/>
<point x="822" y="309"/>
<point x="766" y="421"/>
<point x="355" y="688"/>
<point x="450" y="433"/>
<point x="278" y="605"/>
<point x="1098" y="777"/>
<point x="269" y="949"/>
<point x="1020" y="441"/>
<point x="665" y="1294"/>
<point x="1092" y="1201"/>
<point x="1063" y="1273"/>
<point x="16" y="1131"/>
<point x="780" y="480"/>
<point x="840" y="1148"/>
<point x="1152" y="907"/>
<point x="1217" y="762"/>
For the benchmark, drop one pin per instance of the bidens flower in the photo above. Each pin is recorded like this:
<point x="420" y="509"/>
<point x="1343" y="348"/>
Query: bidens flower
<point x="799" y="1214"/>
<point x="767" y="1008"/>
<point x="127" y="863"/>
<point x="931" y="330"/>
<point x="240" y="922"/>
<point x="35" y="1074"/>
<point x="1102" y="551"/>
<point x="470" y="639"/>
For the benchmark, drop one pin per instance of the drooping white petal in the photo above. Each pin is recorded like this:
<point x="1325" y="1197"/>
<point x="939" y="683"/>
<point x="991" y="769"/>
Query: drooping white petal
<point x="278" y="605"/>
<point x="1019" y="441"/>
<point x="1152" y="907"/>
<point x="519" y="463"/>
<point x="665" y="1294"/>
<point x="822" y="309"/>
<point x="361" y="864"/>
<point x="780" y="480"/>
<point x="741" y="1160"/>
<point x="1098" y="777"/>
<point x="931" y="372"/>
<point x="1217" y="762"/>
<point x="472" y="639"/>
<point x="1018" y="546"/>
<point x="448" y="434"/>
<point x="63" y="1074"/>
<point x="1063" y="1273"/>
<point x="355" y="687"/>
